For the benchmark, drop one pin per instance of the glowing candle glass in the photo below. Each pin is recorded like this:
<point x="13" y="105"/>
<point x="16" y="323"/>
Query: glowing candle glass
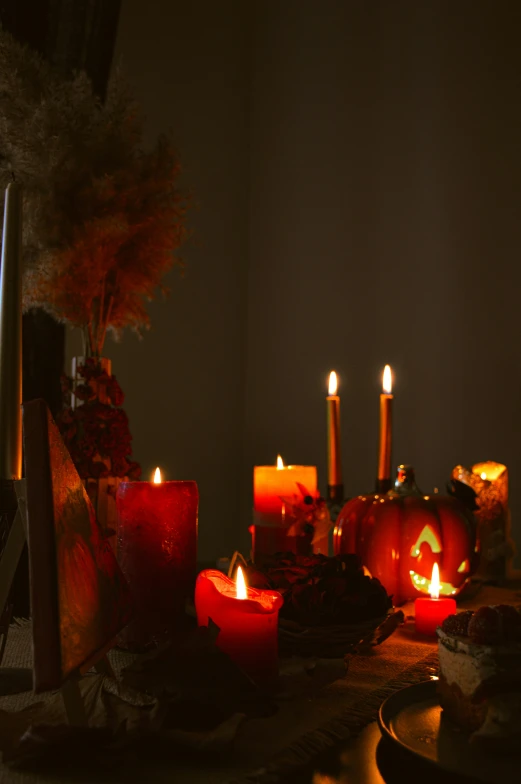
<point x="247" y="619"/>
<point x="489" y="480"/>
<point x="430" y="613"/>
<point x="270" y="485"/>
<point x="157" y="550"/>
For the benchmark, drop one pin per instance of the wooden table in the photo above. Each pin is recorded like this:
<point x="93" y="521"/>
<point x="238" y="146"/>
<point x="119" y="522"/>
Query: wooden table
<point x="371" y="758"/>
<point x="325" y="736"/>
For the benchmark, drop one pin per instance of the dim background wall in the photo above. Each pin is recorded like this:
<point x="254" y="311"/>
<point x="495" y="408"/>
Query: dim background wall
<point x="356" y="174"/>
<point x="184" y="380"/>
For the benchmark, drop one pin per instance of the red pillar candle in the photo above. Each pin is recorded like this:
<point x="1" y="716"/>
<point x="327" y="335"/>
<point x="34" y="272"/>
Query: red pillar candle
<point x="247" y="619"/>
<point x="430" y="613"/>
<point x="157" y="550"/>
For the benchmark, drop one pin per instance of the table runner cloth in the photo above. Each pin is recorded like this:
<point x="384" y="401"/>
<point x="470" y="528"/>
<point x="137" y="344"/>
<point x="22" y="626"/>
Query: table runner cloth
<point x="305" y="723"/>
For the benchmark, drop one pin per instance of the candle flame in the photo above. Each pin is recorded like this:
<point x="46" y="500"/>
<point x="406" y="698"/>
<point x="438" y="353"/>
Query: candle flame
<point x="280" y="462"/>
<point x="387" y="381"/>
<point x="333" y="383"/>
<point x="242" y="591"/>
<point x="484" y="475"/>
<point x="434" y="587"/>
<point x="157" y="477"/>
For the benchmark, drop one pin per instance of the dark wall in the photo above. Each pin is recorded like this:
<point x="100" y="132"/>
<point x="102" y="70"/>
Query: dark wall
<point x="367" y="211"/>
<point x="188" y="63"/>
<point x="385" y="227"/>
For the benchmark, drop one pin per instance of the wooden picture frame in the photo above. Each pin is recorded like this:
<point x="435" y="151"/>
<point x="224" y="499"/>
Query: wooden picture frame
<point x="80" y="599"/>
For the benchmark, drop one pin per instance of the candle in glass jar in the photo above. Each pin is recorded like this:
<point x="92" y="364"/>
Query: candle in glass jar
<point x="430" y="613"/>
<point x="273" y="483"/>
<point x="247" y="619"/>
<point x="489" y="480"/>
<point x="384" y="480"/>
<point x="270" y="485"/>
<point x="157" y="550"/>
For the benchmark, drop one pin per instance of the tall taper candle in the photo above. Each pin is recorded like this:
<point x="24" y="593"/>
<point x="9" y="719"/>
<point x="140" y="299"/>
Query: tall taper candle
<point x="11" y="336"/>
<point x="384" y="480"/>
<point x="335" y="488"/>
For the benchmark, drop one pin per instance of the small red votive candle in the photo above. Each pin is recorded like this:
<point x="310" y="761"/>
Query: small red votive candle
<point x="431" y="612"/>
<point x="247" y="619"/>
<point x="157" y="551"/>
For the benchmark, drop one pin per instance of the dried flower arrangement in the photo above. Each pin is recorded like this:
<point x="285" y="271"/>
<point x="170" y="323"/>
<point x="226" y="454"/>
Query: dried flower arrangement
<point x="103" y="217"/>
<point x="96" y="433"/>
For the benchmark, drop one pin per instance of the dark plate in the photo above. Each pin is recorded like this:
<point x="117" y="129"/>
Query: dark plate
<point x="412" y="719"/>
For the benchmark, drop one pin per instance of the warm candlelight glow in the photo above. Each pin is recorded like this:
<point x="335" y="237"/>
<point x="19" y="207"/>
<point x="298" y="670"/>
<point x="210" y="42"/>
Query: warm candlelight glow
<point x="387" y="383"/>
<point x="484" y="475"/>
<point x="242" y="591"/>
<point x="333" y="383"/>
<point x="434" y="587"/>
<point x="431" y="612"/>
<point x="280" y="462"/>
<point x="157" y="477"/>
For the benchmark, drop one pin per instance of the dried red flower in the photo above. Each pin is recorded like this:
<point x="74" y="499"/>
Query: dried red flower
<point x="97" y="434"/>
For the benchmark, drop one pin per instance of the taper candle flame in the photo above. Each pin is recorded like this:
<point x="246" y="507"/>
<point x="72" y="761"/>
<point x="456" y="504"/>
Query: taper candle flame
<point x="280" y="462"/>
<point x="157" y="477"/>
<point x="242" y="591"/>
<point x="387" y="383"/>
<point x="333" y="383"/>
<point x="434" y="587"/>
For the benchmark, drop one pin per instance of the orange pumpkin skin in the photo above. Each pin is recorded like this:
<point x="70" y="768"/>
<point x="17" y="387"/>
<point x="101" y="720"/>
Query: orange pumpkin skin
<point x="399" y="537"/>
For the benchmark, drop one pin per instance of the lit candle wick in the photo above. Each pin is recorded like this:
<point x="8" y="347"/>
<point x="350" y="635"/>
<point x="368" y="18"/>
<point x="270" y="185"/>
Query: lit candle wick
<point x="280" y="462"/>
<point x="242" y="591"/>
<point x="157" y="477"/>
<point x="387" y="381"/>
<point x="333" y="383"/>
<point x="434" y="586"/>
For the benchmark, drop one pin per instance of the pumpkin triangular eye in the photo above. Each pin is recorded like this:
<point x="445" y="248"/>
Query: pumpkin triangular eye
<point x="464" y="566"/>
<point x="427" y="535"/>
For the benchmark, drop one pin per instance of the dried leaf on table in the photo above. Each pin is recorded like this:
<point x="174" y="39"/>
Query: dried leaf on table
<point x="382" y="632"/>
<point x="59" y="746"/>
<point x="112" y="711"/>
<point x="202" y="686"/>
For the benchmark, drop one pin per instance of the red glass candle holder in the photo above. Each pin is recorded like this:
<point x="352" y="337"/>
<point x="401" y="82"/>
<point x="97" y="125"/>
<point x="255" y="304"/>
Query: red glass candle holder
<point x="157" y="551"/>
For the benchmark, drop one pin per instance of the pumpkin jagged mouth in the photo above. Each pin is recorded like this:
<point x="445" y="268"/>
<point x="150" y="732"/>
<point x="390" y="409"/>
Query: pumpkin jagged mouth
<point x="421" y="584"/>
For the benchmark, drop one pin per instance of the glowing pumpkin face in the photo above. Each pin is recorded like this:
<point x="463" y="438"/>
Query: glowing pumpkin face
<point x="401" y="535"/>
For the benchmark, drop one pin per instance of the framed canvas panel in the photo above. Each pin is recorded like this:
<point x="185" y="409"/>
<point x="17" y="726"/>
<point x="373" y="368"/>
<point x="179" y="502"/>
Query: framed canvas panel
<point x="79" y="597"/>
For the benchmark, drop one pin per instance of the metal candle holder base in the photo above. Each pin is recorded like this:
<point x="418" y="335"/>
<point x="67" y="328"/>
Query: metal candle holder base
<point x="383" y="485"/>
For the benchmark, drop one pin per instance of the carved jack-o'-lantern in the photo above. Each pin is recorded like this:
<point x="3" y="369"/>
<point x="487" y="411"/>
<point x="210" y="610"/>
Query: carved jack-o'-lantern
<point x="401" y="535"/>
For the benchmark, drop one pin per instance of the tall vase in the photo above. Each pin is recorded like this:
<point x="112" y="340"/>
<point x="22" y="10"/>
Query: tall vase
<point x="101" y="491"/>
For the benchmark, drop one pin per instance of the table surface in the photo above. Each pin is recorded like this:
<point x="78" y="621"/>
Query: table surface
<point x="365" y="758"/>
<point x="372" y="759"/>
